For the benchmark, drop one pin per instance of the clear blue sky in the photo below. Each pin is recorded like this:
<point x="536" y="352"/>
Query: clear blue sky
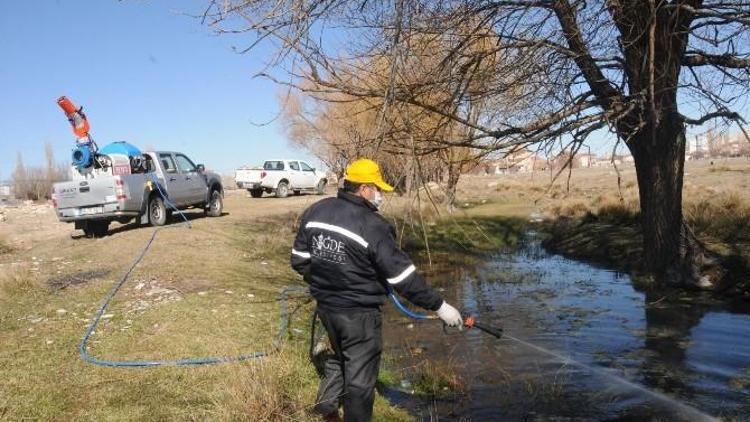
<point x="144" y="73"/>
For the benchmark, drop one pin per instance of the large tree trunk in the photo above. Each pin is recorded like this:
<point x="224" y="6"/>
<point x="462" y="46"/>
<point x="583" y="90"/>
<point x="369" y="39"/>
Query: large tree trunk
<point x="671" y="252"/>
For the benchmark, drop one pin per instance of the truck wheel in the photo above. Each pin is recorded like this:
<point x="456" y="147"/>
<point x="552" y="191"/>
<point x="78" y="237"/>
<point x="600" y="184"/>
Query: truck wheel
<point x="215" y="204"/>
<point x="157" y="211"/>
<point x="256" y="193"/>
<point x="282" y="190"/>
<point x="320" y="189"/>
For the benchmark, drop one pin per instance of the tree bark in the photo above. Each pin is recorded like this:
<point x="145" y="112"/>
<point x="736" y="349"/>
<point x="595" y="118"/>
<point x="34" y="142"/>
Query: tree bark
<point x="671" y="251"/>
<point x="453" y="174"/>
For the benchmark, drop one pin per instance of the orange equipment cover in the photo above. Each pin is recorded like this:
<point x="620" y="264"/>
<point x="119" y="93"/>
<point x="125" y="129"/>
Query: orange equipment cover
<point x="75" y="116"/>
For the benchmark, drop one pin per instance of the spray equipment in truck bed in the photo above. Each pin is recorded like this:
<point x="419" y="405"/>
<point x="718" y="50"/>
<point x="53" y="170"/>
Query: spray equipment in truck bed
<point x="88" y="159"/>
<point x="125" y="158"/>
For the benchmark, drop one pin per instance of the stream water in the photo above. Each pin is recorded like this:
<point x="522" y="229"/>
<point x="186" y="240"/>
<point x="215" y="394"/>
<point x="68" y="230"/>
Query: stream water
<point x="582" y="344"/>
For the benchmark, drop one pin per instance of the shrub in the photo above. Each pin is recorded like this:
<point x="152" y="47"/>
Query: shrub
<point x="570" y="209"/>
<point x="437" y="380"/>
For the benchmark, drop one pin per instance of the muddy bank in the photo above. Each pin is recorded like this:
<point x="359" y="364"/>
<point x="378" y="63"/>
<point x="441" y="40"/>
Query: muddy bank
<point x="618" y="245"/>
<point x="460" y="241"/>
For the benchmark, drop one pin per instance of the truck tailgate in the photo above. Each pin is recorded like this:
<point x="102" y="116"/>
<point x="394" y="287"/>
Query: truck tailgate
<point x="247" y="177"/>
<point x="85" y="193"/>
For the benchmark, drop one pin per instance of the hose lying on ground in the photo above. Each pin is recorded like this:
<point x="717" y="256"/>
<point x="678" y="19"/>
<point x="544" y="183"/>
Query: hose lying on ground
<point x="283" y="298"/>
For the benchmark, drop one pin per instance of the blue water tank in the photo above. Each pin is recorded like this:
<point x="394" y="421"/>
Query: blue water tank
<point x="122" y="148"/>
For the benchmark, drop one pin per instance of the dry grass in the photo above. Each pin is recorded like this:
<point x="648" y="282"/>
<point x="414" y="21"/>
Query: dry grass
<point x="208" y="291"/>
<point x="5" y="247"/>
<point x="18" y="282"/>
<point x="269" y="390"/>
<point x="724" y="217"/>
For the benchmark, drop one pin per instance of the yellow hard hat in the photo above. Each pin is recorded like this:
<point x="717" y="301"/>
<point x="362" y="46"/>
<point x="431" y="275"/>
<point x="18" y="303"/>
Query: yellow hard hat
<point x="366" y="171"/>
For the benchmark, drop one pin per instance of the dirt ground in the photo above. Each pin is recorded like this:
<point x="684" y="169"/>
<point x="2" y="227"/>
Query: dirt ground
<point x="27" y="225"/>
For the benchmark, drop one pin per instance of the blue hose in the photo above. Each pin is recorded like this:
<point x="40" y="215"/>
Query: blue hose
<point x="404" y="310"/>
<point x="166" y="199"/>
<point x="83" y="346"/>
<point x="283" y="310"/>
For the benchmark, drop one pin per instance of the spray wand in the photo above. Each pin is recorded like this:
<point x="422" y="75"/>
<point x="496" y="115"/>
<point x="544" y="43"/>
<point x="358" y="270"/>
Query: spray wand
<point x="470" y="321"/>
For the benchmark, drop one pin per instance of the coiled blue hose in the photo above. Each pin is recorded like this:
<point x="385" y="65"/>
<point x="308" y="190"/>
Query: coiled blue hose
<point x="83" y="346"/>
<point x="283" y="312"/>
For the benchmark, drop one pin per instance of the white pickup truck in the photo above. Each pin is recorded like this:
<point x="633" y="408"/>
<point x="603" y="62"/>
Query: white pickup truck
<point x="281" y="177"/>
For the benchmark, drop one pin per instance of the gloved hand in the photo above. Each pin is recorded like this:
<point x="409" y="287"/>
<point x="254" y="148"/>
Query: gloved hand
<point x="450" y="315"/>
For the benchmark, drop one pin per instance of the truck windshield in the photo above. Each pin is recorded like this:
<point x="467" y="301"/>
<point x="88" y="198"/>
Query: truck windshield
<point x="273" y="165"/>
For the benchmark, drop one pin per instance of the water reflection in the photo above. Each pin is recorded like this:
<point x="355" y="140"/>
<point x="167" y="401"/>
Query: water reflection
<point x="668" y="328"/>
<point x="694" y="350"/>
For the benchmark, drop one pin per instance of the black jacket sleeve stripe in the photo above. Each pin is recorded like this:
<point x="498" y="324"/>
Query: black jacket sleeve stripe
<point x="398" y="270"/>
<point x="300" y="256"/>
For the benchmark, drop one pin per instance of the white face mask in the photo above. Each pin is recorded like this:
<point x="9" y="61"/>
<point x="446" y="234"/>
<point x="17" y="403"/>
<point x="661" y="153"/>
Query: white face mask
<point x="377" y="201"/>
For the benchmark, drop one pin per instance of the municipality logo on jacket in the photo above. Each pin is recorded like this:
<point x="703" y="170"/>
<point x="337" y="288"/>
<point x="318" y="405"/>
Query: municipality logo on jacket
<point x="328" y="248"/>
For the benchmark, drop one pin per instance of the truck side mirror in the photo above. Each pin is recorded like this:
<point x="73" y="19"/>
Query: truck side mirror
<point x="201" y="168"/>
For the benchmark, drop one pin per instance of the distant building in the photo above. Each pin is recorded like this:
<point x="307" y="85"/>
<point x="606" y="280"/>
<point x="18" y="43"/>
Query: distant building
<point x="586" y="160"/>
<point x="716" y="144"/>
<point x="523" y="161"/>
<point x="611" y="161"/>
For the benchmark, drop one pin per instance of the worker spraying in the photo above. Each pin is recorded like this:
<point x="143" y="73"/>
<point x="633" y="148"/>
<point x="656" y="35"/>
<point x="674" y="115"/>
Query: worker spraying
<point x="348" y="255"/>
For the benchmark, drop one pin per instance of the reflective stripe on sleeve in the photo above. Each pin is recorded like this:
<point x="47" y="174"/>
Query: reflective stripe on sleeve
<point x="305" y="255"/>
<point x="399" y="278"/>
<point x="340" y="230"/>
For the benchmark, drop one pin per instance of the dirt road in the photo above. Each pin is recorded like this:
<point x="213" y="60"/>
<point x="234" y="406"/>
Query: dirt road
<point x="34" y="230"/>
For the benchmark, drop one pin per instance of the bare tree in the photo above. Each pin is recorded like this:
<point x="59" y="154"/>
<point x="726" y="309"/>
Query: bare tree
<point x="35" y="182"/>
<point x="641" y="69"/>
<point x="19" y="178"/>
<point x="49" y="158"/>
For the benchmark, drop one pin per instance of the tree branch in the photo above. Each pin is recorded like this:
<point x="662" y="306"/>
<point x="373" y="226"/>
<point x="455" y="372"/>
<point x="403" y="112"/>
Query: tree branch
<point x="727" y="114"/>
<point x="604" y="91"/>
<point x="723" y="60"/>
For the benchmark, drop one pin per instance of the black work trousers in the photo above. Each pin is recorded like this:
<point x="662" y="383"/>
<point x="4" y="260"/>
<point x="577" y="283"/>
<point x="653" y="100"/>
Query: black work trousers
<point x="350" y="373"/>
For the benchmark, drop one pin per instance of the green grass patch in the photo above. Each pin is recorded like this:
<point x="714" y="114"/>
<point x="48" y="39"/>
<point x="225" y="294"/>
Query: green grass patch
<point x="461" y="240"/>
<point x="437" y="380"/>
<point x="387" y="378"/>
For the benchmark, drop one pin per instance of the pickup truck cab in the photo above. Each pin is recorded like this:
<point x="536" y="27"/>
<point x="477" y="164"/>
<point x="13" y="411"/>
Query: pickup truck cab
<point x="281" y="177"/>
<point x="93" y="202"/>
